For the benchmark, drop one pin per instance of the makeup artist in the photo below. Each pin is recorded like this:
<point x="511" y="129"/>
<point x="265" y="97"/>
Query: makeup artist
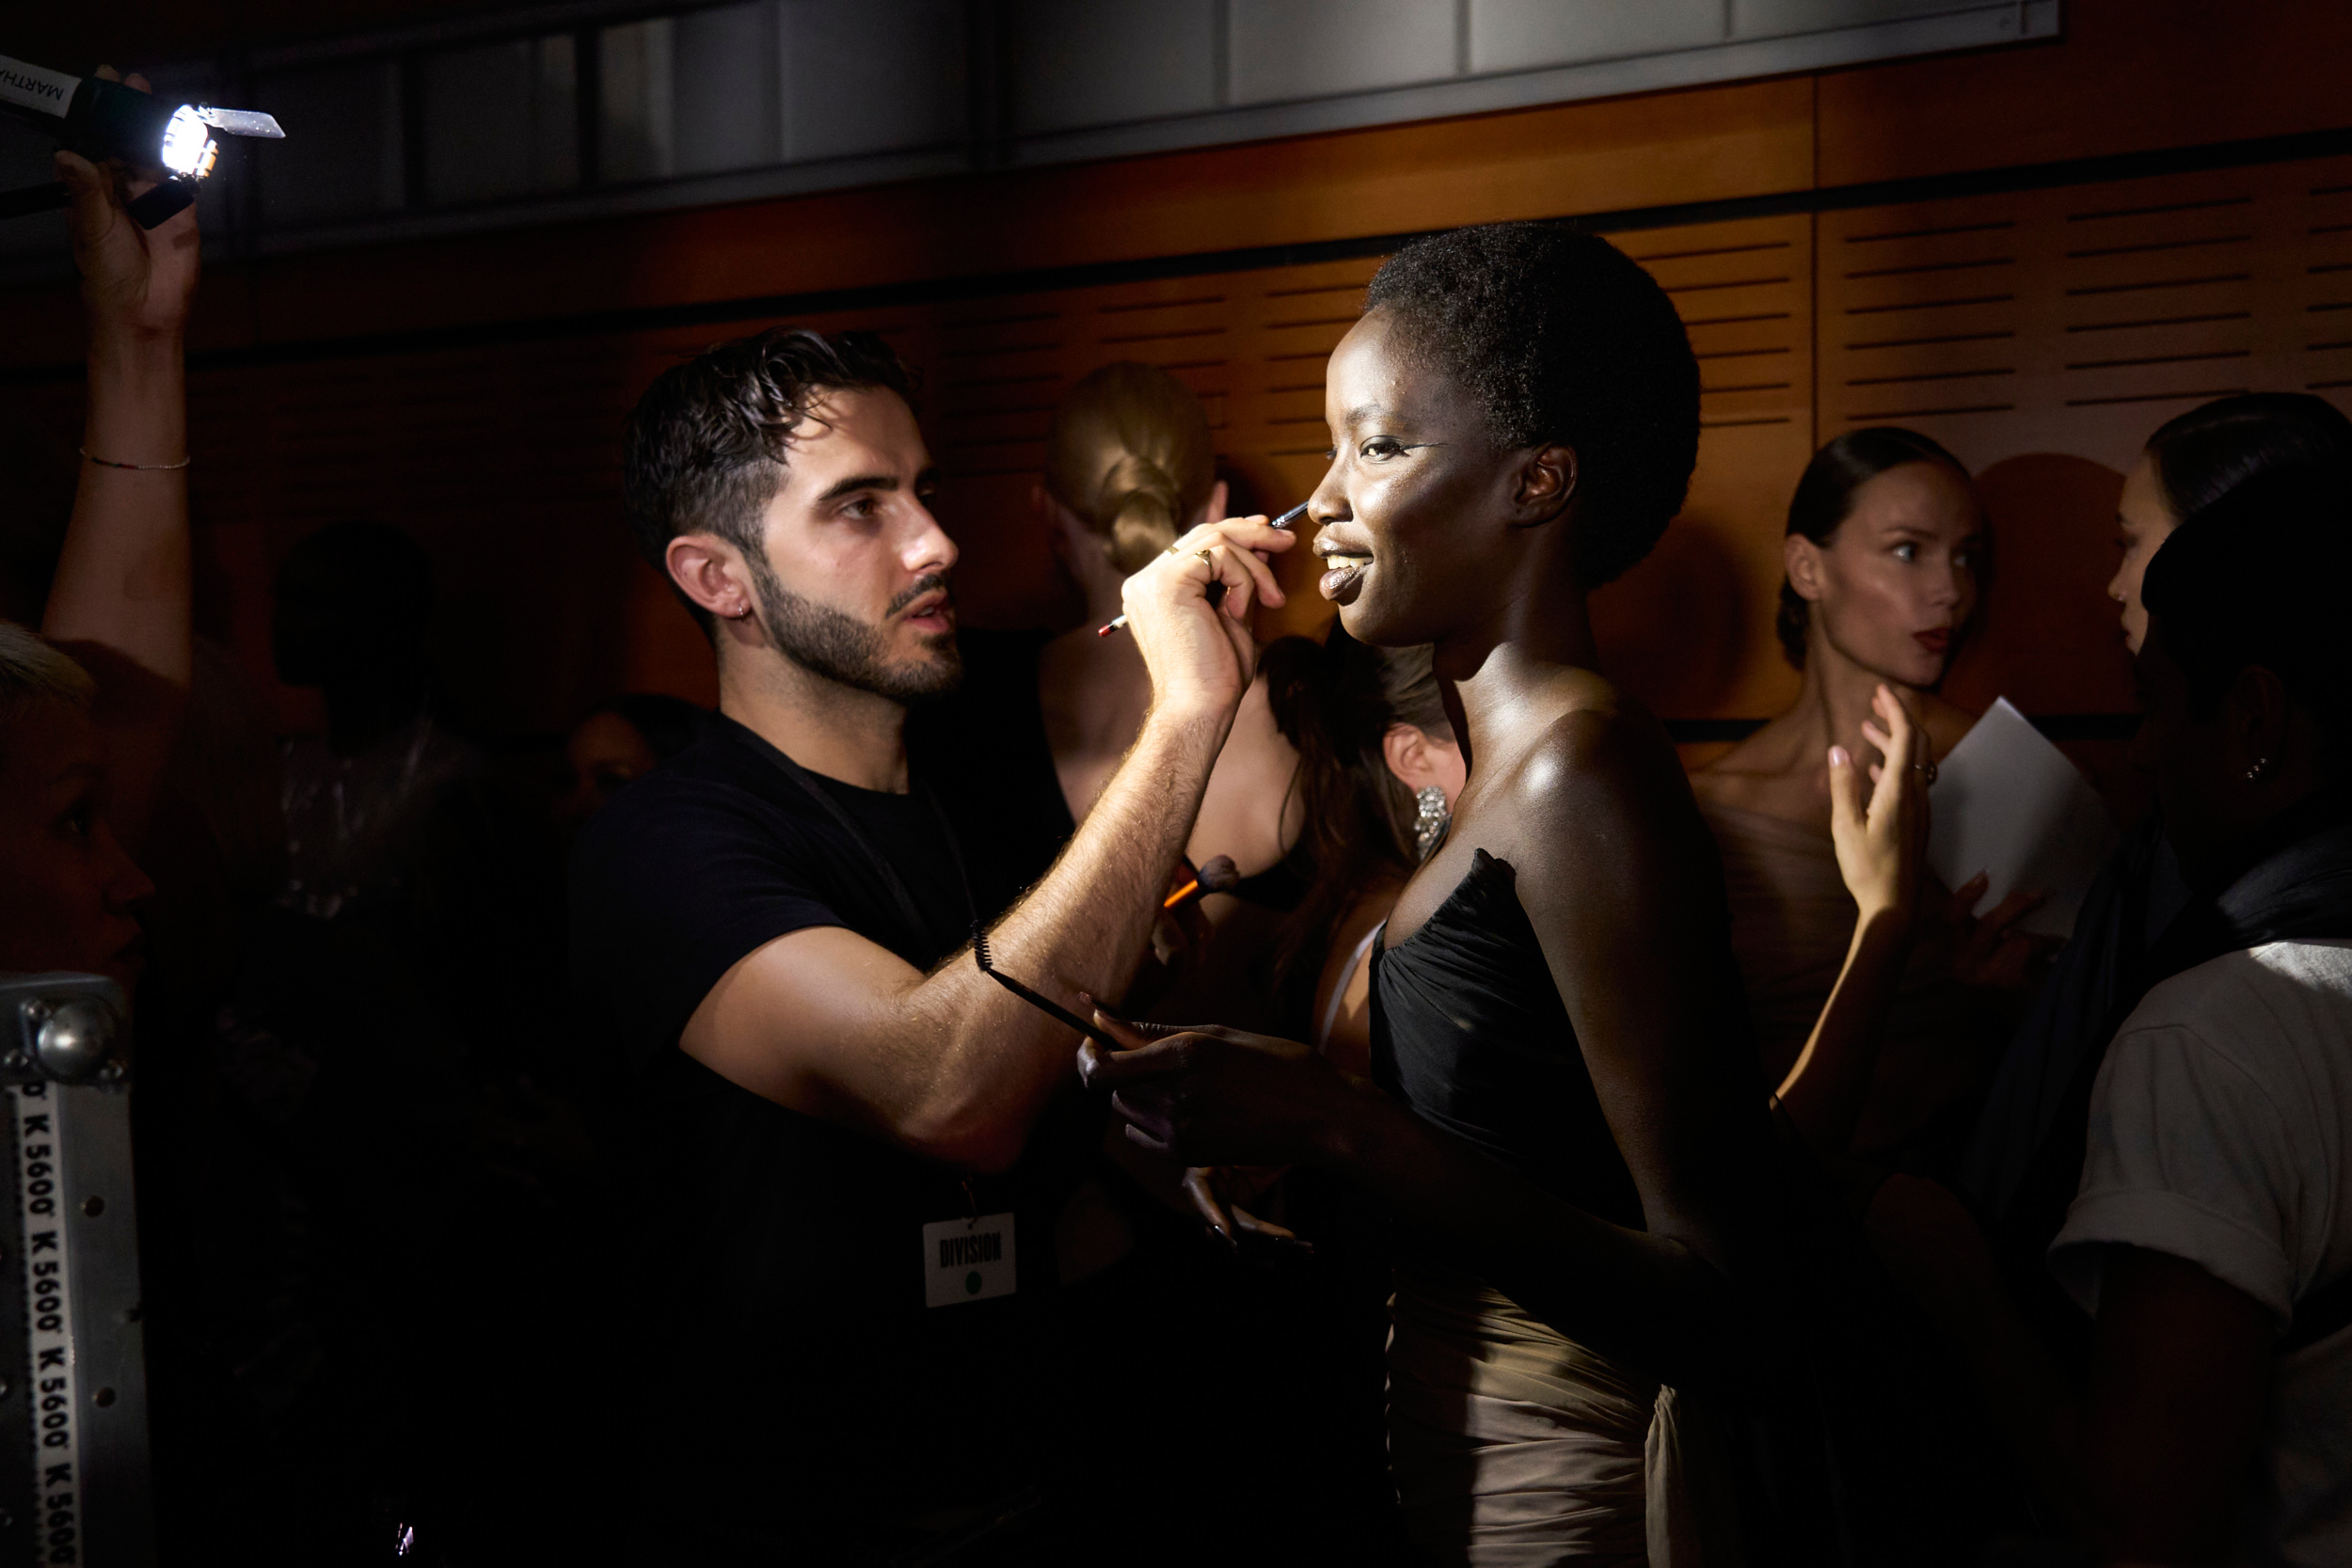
<point x="836" y="1143"/>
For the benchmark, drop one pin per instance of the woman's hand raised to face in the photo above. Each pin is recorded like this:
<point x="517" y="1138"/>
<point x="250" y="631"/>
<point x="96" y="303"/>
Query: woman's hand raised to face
<point x="1219" y="1096"/>
<point x="1882" y="845"/>
<point x="1201" y="655"/>
<point x="134" y="281"/>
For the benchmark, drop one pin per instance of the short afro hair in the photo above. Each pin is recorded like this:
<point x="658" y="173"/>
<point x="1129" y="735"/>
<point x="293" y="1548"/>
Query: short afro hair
<point x="704" y="449"/>
<point x="1562" y="338"/>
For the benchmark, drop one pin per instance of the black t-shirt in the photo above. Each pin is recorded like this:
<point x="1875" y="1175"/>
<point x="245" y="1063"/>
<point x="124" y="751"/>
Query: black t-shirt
<point x="989" y="739"/>
<point x="797" y="1383"/>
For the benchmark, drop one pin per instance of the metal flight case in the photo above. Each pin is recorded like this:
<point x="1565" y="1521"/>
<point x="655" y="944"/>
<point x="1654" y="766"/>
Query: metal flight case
<point x="73" y="1450"/>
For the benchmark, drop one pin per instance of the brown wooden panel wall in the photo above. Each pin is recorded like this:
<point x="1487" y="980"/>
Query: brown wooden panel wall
<point x="2042" y="335"/>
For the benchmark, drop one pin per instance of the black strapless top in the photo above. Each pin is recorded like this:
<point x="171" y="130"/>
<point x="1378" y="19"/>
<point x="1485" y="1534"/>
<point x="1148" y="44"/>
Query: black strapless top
<point x="1470" y="1031"/>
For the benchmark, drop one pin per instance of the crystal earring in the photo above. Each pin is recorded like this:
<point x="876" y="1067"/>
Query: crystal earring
<point x="2255" y="774"/>
<point x="1430" y="823"/>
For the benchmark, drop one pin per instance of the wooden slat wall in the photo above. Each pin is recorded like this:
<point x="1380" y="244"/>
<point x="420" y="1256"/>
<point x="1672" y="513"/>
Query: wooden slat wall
<point x="2041" y="335"/>
<point x="1690" y="629"/>
<point x="2044" y="334"/>
<point x="2077" y="318"/>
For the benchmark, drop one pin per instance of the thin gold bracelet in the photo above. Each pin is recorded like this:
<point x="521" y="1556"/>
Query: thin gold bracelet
<point x="143" y="468"/>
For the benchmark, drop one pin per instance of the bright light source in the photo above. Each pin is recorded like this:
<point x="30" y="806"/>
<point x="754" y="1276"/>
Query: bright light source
<point x="188" y="148"/>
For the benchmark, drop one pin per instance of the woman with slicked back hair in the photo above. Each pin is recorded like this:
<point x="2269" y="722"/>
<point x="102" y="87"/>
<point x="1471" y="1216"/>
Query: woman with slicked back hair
<point x="1883" y="569"/>
<point x="1129" y="456"/>
<point x="1128" y="466"/>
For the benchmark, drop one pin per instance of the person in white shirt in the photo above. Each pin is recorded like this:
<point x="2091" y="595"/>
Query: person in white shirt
<point x="2217" y="1184"/>
<point x="2211" y="1237"/>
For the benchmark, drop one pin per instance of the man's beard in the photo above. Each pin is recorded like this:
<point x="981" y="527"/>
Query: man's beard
<point x="847" y="651"/>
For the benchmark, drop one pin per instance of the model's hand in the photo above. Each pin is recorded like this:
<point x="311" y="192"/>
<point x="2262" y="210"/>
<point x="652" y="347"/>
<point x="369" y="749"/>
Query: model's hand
<point x="1201" y="655"/>
<point x="1218" y="1096"/>
<point x="1881" y="846"/>
<point x="1218" y="1192"/>
<point x="134" y="281"/>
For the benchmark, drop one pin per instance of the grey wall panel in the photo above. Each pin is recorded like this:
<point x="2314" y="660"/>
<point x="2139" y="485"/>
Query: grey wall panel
<point x="1291" y="49"/>
<point x="726" y="87"/>
<point x="342" y="157"/>
<point x="636" y="127"/>
<point x="1111" y="62"/>
<point x="752" y="100"/>
<point x="1521" y="35"/>
<point x="554" y="114"/>
<point x="499" y="122"/>
<point x="1758" y="19"/>
<point x="861" y="77"/>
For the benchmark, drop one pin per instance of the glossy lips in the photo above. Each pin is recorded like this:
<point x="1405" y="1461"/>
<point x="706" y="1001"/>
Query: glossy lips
<point x="1343" y="568"/>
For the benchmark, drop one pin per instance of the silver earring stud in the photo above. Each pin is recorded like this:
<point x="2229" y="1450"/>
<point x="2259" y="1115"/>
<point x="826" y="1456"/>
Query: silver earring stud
<point x="2262" y="765"/>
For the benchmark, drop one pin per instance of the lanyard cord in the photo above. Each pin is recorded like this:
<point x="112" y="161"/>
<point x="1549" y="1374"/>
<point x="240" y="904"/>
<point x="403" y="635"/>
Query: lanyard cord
<point x="908" y="910"/>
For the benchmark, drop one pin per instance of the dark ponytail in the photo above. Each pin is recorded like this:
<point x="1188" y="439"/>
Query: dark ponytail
<point x="1825" y="497"/>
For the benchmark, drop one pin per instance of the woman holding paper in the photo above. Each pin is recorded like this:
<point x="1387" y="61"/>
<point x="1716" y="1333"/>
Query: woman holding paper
<point x="1882" y="556"/>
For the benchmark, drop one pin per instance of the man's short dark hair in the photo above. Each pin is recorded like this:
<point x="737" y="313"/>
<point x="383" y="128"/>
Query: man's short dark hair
<point x="2257" y="579"/>
<point x="1562" y="337"/>
<point x="704" y="449"/>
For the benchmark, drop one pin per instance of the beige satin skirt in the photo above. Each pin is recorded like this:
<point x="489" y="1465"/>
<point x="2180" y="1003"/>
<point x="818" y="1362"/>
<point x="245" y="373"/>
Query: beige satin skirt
<point x="1513" y="1447"/>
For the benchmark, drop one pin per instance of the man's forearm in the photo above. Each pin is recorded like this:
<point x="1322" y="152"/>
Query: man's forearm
<point x="1082" y="929"/>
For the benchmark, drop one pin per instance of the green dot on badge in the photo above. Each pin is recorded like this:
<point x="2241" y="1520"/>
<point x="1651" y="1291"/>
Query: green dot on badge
<point x="972" y="1283"/>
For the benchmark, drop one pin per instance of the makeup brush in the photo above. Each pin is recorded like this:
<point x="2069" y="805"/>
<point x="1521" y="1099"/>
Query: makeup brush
<point x="1216" y="590"/>
<point x="1219" y="874"/>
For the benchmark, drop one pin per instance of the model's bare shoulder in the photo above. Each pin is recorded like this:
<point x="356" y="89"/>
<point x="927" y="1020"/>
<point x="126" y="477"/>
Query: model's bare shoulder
<point x="1599" y="768"/>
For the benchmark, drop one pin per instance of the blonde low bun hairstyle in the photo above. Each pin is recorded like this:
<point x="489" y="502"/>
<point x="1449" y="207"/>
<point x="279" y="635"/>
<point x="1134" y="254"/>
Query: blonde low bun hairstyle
<point x="1129" y="455"/>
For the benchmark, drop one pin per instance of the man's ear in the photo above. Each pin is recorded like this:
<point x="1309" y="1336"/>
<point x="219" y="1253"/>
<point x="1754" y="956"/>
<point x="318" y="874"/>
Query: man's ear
<point x="1545" y="484"/>
<point x="710" y="572"/>
<point x="1801" y="558"/>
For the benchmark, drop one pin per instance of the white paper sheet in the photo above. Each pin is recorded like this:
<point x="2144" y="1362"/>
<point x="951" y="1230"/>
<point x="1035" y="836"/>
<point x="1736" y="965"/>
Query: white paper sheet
<point x="2007" y="802"/>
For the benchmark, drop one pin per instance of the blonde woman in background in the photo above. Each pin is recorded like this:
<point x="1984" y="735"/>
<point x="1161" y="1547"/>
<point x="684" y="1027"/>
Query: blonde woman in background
<point x="1128" y="467"/>
<point x="1041" y="723"/>
<point x="1043" y="719"/>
